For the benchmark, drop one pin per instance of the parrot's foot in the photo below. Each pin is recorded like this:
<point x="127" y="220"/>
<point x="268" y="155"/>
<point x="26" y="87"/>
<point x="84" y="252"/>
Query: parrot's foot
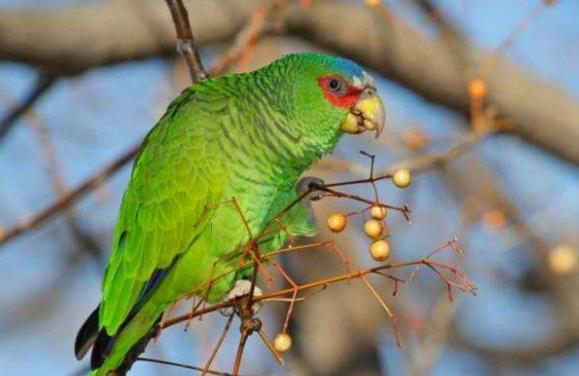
<point x="310" y="184"/>
<point x="241" y="288"/>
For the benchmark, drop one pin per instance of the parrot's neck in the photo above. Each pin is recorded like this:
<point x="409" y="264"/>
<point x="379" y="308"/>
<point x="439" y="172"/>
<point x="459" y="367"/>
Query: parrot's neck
<point x="268" y="140"/>
<point x="273" y="144"/>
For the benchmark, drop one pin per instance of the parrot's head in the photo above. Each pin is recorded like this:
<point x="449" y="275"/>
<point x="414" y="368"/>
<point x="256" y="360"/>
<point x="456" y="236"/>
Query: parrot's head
<point x="335" y="95"/>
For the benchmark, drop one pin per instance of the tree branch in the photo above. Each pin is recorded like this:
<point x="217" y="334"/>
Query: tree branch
<point x="43" y="83"/>
<point x="71" y="197"/>
<point x="119" y="31"/>
<point x="185" y="41"/>
<point x="543" y="113"/>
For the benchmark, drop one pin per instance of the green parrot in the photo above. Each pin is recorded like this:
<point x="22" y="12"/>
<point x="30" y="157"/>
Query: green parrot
<point x="227" y="144"/>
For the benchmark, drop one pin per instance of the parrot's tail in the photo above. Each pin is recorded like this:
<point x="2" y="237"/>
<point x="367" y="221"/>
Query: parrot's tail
<point x="87" y="334"/>
<point x="116" y="354"/>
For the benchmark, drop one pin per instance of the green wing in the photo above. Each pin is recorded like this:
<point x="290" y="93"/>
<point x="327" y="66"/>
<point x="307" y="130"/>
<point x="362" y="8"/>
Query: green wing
<point x="163" y="209"/>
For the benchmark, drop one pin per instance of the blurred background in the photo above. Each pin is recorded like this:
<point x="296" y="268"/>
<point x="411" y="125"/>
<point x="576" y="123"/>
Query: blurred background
<point x="483" y="106"/>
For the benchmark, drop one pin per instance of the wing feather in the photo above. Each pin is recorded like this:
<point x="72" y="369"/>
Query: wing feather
<point x="162" y="205"/>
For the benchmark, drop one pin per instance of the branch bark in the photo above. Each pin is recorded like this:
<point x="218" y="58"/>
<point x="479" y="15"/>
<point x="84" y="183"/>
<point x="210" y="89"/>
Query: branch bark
<point x="185" y="40"/>
<point x="88" y="36"/>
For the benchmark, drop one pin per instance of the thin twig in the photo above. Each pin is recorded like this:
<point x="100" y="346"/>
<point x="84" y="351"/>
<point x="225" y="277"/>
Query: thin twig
<point x="217" y="346"/>
<point x="65" y="201"/>
<point x="452" y="35"/>
<point x="404" y="210"/>
<point x="57" y="181"/>
<point x="385" y="307"/>
<point x="271" y="347"/>
<point x="185" y="41"/>
<point x="168" y="363"/>
<point x="246" y="39"/>
<point x="56" y="178"/>
<point x="43" y="83"/>
<point x="491" y="62"/>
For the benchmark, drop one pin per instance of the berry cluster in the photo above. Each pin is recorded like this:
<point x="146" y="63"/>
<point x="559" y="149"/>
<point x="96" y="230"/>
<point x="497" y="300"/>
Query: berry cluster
<point x="376" y="227"/>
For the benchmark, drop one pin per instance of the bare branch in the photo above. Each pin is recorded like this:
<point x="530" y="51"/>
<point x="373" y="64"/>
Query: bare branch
<point x="71" y="197"/>
<point x="185" y="41"/>
<point x="246" y="39"/>
<point x="43" y="83"/>
<point x="462" y="283"/>
<point x="174" y="364"/>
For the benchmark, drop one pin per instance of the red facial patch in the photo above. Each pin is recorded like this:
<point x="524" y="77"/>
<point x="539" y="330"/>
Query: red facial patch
<point x="347" y="98"/>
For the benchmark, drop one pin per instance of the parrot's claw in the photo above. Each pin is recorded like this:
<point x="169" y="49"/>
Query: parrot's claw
<point x="241" y="288"/>
<point x="310" y="184"/>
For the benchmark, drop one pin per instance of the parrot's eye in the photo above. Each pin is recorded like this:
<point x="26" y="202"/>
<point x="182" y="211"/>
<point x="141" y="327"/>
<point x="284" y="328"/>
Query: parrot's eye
<point x="338" y="91"/>
<point x="337" y="86"/>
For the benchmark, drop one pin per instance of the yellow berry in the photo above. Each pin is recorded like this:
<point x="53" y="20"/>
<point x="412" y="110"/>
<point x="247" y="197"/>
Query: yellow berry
<point x="378" y="212"/>
<point x="562" y="260"/>
<point x="477" y="89"/>
<point x="402" y="178"/>
<point x="282" y="342"/>
<point x="373" y="228"/>
<point x="380" y="250"/>
<point x="337" y="222"/>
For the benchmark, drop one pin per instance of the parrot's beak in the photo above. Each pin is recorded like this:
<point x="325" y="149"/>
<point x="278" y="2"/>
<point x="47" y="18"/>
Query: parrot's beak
<point x="367" y="115"/>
